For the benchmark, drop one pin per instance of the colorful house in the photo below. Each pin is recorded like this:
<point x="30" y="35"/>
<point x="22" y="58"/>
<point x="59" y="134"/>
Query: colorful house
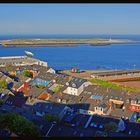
<point x="13" y="73"/>
<point x="34" y="73"/>
<point x="134" y="107"/>
<point x="25" y="88"/>
<point x="39" y="81"/>
<point x="75" y="70"/>
<point x="19" y="72"/>
<point x="44" y="96"/>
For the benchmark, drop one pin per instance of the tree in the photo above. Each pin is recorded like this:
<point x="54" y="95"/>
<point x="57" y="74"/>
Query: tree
<point x="111" y="127"/>
<point x="18" y="124"/>
<point x="50" y="118"/>
<point x="40" y="86"/>
<point x="1" y="102"/>
<point x="138" y="120"/>
<point x="3" y="84"/>
<point x="57" y="89"/>
<point x="27" y="73"/>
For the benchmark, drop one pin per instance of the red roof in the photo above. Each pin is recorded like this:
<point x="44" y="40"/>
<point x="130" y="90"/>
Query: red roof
<point x="43" y="96"/>
<point x="135" y="108"/>
<point x="24" y="90"/>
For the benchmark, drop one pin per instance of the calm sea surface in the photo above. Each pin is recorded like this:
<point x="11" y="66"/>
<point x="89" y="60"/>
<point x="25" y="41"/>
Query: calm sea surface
<point x="86" y="57"/>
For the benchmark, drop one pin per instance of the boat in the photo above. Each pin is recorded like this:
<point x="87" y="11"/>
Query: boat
<point x="29" y="54"/>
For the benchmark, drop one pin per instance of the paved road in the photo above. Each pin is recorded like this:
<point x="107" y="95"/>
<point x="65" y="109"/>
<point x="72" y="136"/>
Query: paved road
<point x="88" y="122"/>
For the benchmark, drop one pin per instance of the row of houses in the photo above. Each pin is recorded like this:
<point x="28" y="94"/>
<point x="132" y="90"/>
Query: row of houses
<point x="118" y="75"/>
<point x="116" y="72"/>
<point x="76" y="93"/>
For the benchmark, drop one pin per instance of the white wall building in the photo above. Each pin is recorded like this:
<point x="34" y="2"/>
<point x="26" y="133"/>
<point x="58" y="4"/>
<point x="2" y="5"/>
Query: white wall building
<point x="20" y="61"/>
<point x="76" y="86"/>
<point x="51" y="71"/>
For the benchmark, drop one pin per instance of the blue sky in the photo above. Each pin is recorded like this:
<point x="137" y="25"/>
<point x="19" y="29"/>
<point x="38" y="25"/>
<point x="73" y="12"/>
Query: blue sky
<point x="69" y="18"/>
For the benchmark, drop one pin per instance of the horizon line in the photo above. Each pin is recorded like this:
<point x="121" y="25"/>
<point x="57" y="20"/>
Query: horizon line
<point x="65" y="34"/>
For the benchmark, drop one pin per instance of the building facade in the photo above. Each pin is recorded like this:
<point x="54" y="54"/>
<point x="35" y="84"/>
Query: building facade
<point x="76" y="86"/>
<point x="20" y="61"/>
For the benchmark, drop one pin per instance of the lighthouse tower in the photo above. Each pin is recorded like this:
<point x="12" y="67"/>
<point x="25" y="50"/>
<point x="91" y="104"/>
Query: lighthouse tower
<point x="110" y="39"/>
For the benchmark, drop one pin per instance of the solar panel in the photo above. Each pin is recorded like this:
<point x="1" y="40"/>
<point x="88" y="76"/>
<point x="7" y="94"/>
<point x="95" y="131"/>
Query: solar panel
<point x="96" y="97"/>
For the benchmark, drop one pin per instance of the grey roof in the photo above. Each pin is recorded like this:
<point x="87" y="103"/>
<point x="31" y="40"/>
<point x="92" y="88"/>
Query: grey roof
<point x="17" y="85"/>
<point x="20" y="59"/>
<point x="35" y="92"/>
<point x="48" y="107"/>
<point x="111" y="93"/>
<point x="6" y="78"/>
<point x="16" y="100"/>
<point x="33" y="67"/>
<point x="59" y="78"/>
<point x="76" y="82"/>
<point x="46" y="76"/>
<point x="103" y="105"/>
<point x="120" y="113"/>
<point x="5" y="91"/>
<point x="4" y="97"/>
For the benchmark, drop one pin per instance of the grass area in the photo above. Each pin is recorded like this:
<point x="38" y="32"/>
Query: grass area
<point x="57" y="89"/>
<point x="107" y="84"/>
<point x="40" y="86"/>
<point x="36" y="41"/>
<point x="3" y="84"/>
<point x="27" y="74"/>
<point x="50" y="118"/>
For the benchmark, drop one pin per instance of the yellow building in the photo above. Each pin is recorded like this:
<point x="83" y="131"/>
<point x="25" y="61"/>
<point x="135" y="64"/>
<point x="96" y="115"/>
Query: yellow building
<point x="13" y="73"/>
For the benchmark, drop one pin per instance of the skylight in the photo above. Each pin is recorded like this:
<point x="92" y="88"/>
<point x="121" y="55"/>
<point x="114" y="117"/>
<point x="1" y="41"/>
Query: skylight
<point x="96" y="97"/>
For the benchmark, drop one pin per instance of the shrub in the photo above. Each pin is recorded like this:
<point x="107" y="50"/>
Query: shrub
<point x="50" y="118"/>
<point x="27" y="74"/>
<point x="138" y="120"/>
<point x="110" y="127"/>
<point x="3" y="84"/>
<point x="18" y="124"/>
<point x="57" y="89"/>
<point x="108" y="84"/>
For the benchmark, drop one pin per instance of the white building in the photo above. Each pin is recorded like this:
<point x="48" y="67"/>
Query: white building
<point x="76" y="86"/>
<point x="50" y="70"/>
<point x="20" y="61"/>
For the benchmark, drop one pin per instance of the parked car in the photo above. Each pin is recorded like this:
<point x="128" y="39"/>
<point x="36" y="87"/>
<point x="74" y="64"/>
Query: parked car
<point x="93" y="124"/>
<point x="101" y="126"/>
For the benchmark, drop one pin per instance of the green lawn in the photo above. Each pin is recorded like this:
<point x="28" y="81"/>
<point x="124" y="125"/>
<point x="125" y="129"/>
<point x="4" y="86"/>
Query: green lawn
<point x="57" y="89"/>
<point x="3" y="84"/>
<point x="107" y="84"/>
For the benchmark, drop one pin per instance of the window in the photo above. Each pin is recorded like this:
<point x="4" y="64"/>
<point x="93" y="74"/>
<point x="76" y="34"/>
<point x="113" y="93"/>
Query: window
<point x="106" y="97"/>
<point x="133" y="101"/>
<point x="127" y="101"/>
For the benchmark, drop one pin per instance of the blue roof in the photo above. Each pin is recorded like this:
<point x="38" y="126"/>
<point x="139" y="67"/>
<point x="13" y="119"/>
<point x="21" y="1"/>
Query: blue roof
<point x="96" y="97"/>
